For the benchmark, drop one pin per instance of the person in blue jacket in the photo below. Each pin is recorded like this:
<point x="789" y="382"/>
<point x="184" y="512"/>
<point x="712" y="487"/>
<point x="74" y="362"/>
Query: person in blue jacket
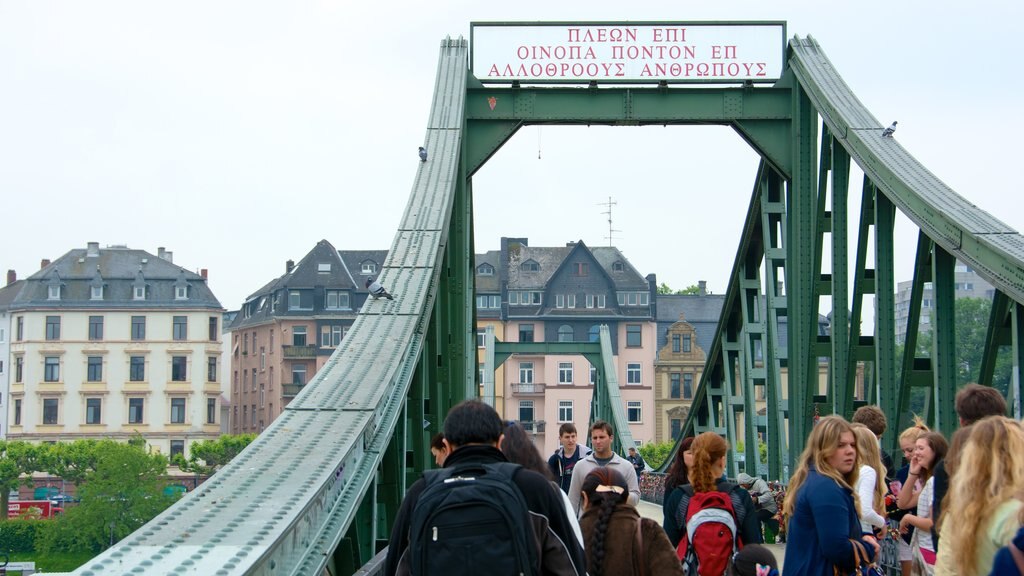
<point x="1005" y="564"/>
<point x="820" y="504"/>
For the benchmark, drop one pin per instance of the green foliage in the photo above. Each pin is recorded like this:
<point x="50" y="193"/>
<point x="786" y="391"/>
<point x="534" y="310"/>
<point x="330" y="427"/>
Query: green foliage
<point x="121" y="493"/>
<point x="20" y="535"/>
<point x="54" y="561"/>
<point x="664" y="288"/>
<point x="207" y="456"/>
<point x="18" y="460"/>
<point x="655" y="453"/>
<point x="762" y="450"/>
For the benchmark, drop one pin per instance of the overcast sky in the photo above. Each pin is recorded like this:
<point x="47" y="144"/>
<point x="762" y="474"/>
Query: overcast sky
<point x="238" y="134"/>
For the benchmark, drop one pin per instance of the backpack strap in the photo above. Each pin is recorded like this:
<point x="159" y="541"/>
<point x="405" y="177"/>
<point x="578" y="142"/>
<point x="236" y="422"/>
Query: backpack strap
<point x="639" y="558"/>
<point x="684" y="504"/>
<point x="1018" y="556"/>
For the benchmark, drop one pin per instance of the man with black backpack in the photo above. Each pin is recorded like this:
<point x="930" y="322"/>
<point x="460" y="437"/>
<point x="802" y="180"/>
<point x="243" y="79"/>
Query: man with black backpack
<point x="480" y="514"/>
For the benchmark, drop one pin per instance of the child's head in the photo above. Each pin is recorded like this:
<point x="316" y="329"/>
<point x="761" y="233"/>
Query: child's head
<point x="754" y="560"/>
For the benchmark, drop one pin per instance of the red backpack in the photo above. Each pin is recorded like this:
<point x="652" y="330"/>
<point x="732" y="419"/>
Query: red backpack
<point x="711" y="537"/>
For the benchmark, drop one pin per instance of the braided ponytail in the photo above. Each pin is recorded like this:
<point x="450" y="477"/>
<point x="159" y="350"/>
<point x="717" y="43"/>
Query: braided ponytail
<point x="606" y="489"/>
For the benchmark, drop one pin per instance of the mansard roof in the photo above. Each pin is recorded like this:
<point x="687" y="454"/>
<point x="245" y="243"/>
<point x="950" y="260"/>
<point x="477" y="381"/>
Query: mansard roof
<point x="117" y="267"/>
<point x="492" y="283"/>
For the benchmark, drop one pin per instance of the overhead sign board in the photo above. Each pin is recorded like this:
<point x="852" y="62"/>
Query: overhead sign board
<point x="627" y="52"/>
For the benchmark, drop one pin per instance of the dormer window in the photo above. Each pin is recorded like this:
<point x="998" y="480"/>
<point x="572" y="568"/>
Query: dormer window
<point x="53" y="292"/>
<point x="181" y="292"/>
<point x="530" y="266"/>
<point x="139" y="292"/>
<point x="97" y="292"/>
<point x="617" y="266"/>
<point x="369" y="268"/>
<point x="485" y="270"/>
<point x="323" y="267"/>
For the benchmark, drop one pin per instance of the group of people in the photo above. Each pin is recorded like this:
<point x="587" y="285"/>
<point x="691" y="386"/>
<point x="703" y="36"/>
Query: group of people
<point x="575" y="512"/>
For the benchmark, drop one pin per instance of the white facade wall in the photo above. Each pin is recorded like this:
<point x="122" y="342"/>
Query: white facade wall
<point x="5" y="370"/>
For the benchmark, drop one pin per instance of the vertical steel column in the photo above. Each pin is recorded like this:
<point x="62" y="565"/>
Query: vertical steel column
<point x="943" y="341"/>
<point x="1017" y="349"/>
<point x="863" y="283"/>
<point x="773" y="223"/>
<point x="838" y="366"/>
<point x="914" y="370"/>
<point x="800" y="273"/>
<point x="885" y="305"/>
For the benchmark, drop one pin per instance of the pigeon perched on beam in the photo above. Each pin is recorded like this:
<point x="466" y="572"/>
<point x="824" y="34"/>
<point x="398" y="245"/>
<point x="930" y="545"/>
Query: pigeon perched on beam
<point x="376" y="290"/>
<point x="423" y="154"/>
<point x="887" y="133"/>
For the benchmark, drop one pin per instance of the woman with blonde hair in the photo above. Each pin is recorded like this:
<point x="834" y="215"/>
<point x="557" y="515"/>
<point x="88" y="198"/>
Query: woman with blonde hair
<point x="983" y="504"/>
<point x="908" y="441"/>
<point x="870" y="481"/>
<point x="820" y="504"/>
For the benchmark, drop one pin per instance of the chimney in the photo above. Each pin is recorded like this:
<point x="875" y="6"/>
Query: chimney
<point x="12" y="277"/>
<point x="44" y="263"/>
<point x="204" y="273"/>
<point x="92" y="249"/>
<point x="165" y="254"/>
<point x="289" y="266"/>
<point x="160" y="252"/>
<point x="702" y="287"/>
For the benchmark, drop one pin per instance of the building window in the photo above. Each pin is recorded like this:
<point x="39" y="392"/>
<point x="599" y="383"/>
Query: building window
<point x="95" y="327"/>
<point x="177" y="410"/>
<point x="94" y="369"/>
<point x="526" y="332"/>
<point x="633" y="373"/>
<point x="19" y="333"/>
<point x="51" y="369"/>
<point x="559" y="300"/>
<point x="526" y="411"/>
<point x="138" y="327"/>
<point x="526" y="372"/>
<point x="180" y="328"/>
<point x="675" y="343"/>
<point x="485" y="270"/>
<point x="19" y="367"/>
<point x="687" y="386"/>
<point x="634" y="411"/>
<point x="211" y="368"/>
<point x="565" y="411"/>
<point x="177" y="449"/>
<point x="53" y="292"/>
<point x="488" y="301"/>
<point x="252" y="413"/>
<point x="582" y="269"/>
<point x="368" y="268"/>
<point x="96" y="292"/>
<point x="565" y="373"/>
<point x="93" y="410"/>
<point x="211" y="410"/>
<point x="214" y="335"/>
<point x="51" y="410"/>
<point x="253" y="379"/>
<point x="617" y="266"/>
<point x="677" y="427"/>
<point x="481" y="337"/>
<point x="337" y="300"/>
<point x="601" y="299"/>
<point x="674" y="392"/>
<point x="298" y="336"/>
<point x="594" y="334"/>
<point x="181" y="292"/>
<point x="178" y="368"/>
<point x="53" y="327"/>
<point x="294" y="300"/>
<point x="299" y="374"/>
<point x="262" y="395"/>
<point x="136" y="410"/>
<point x="530" y="266"/>
<point x="323" y="267"/>
<point x="139" y="292"/>
<point x="570" y="300"/>
<point x="137" y="369"/>
<point x="565" y="333"/>
<point x="633" y="336"/>
<point x="263" y="358"/>
<point x="17" y="412"/>
<point x="686" y="343"/>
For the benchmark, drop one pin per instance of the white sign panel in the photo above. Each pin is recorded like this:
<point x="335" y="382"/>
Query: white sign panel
<point x="628" y="52"/>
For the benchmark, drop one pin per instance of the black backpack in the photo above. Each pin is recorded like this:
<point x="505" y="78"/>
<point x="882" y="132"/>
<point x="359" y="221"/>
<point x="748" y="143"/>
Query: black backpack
<point x="472" y="519"/>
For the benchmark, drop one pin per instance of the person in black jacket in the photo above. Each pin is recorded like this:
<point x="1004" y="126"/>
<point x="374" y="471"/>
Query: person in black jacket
<point x="473" y="433"/>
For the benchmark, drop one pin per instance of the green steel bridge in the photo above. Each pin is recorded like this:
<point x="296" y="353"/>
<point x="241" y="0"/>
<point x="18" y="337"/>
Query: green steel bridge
<point x="318" y="490"/>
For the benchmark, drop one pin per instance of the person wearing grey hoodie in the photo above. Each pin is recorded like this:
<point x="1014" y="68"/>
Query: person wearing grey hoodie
<point x="764" y="500"/>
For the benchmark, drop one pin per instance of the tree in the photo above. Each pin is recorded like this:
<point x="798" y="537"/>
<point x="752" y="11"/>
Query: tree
<point x="17" y="459"/>
<point x="655" y="453"/>
<point x="121" y="493"/>
<point x="692" y="289"/>
<point x="207" y="456"/>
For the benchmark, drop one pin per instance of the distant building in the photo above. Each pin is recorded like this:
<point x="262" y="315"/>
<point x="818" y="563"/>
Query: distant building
<point x="7" y="294"/>
<point x="285" y="331"/>
<point x="966" y="284"/>
<point x="113" y="342"/>
<point x="565" y="294"/>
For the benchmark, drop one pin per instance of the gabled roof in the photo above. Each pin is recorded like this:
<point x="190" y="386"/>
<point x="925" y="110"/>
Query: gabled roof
<point x="118" y="267"/>
<point x="9" y="293"/>
<point x="492" y="283"/>
<point x="354" y="260"/>
<point x="321" y="266"/>
<point x="701" y="312"/>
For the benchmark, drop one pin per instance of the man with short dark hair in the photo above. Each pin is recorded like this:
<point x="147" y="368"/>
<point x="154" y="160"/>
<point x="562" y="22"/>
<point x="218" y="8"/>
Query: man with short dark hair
<point x="565" y="458"/>
<point x="973" y="402"/>
<point x="601" y="435"/>
<point x="473" y="434"/>
<point x="873" y="417"/>
<point x="637" y="461"/>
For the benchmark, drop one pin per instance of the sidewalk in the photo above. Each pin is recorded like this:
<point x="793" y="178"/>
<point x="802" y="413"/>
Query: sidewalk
<point x="654" y="512"/>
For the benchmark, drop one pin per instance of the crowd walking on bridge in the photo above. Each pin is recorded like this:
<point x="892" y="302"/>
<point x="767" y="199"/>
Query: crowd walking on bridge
<point x="496" y="506"/>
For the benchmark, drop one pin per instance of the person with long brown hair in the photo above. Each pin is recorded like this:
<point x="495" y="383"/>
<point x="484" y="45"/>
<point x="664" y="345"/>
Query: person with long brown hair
<point x="824" y="527"/>
<point x="908" y="442"/>
<point x="677" y="477"/>
<point x="707" y="474"/>
<point x="870" y="486"/>
<point x="930" y="449"/>
<point x="618" y="541"/>
<point x="983" y="509"/>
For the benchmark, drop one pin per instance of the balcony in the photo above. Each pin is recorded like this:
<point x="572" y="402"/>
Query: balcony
<point x="298" y="352"/>
<point x="534" y="426"/>
<point x="291" y="390"/>
<point x="528" y="389"/>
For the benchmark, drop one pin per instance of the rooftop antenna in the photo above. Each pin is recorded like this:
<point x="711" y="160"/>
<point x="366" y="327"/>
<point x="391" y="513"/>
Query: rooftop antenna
<point x="611" y="231"/>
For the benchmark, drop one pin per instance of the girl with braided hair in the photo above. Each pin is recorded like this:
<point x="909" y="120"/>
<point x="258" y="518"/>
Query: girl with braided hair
<point x="618" y="540"/>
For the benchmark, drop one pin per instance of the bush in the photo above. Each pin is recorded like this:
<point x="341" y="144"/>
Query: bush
<point x="656" y="453"/>
<point x="20" y="535"/>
